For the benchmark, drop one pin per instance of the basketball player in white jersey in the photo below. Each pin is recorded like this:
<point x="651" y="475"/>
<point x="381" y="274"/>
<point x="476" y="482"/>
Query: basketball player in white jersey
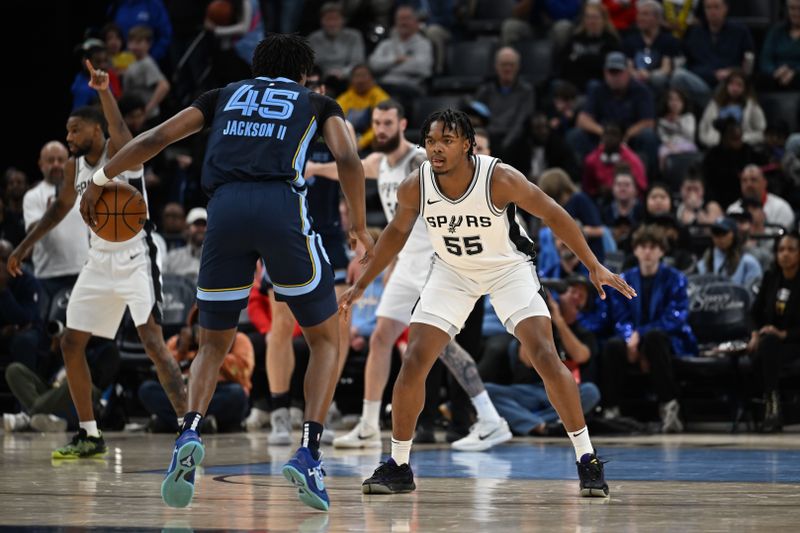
<point x="392" y="161"/>
<point x="468" y="205"/>
<point x="115" y="276"/>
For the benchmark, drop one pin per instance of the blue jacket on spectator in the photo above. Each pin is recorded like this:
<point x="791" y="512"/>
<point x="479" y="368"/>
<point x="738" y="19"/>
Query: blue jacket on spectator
<point x="705" y="55"/>
<point x="152" y="13"/>
<point x="669" y="309"/>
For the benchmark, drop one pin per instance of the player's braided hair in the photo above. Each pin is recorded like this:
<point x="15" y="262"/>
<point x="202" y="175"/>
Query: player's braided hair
<point x="286" y="55"/>
<point x="453" y="120"/>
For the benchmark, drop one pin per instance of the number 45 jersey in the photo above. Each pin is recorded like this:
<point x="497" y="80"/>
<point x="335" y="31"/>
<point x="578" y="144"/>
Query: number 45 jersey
<point x="260" y="130"/>
<point x="469" y="233"/>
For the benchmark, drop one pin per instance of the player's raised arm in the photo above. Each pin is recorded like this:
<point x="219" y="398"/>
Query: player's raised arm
<point x="54" y="214"/>
<point x="391" y="241"/>
<point x="118" y="131"/>
<point x="510" y="186"/>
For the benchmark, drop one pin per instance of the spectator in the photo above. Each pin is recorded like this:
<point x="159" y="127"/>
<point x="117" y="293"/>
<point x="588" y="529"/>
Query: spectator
<point x="358" y="101"/>
<point x="558" y="186"/>
<point x="143" y="77"/>
<point x="624" y="199"/>
<point x="727" y="257"/>
<point x="132" y="108"/>
<point x="779" y="60"/>
<point x="712" y="49"/>
<point x="676" y="126"/>
<point x="581" y="60"/>
<point x="229" y="403"/>
<point x="658" y="201"/>
<point x="734" y="98"/>
<point x="121" y="59"/>
<point x="15" y="184"/>
<point x="151" y="13"/>
<point x="724" y="162"/>
<point x="622" y="100"/>
<point x="761" y="249"/>
<point x="622" y="13"/>
<point x="775" y="340"/>
<point x="236" y="42"/>
<point x="185" y="260"/>
<point x="59" y="256"/>
<point x="524" y="403"/>
<point x="510" y="101"/>
<point x="283" y="16"/>
<point x="563" y="110"/>
<point x="790" y="163"/>
<point x="550" y="150"/>
<point x="21" y="332"/>
<point x="677" y="254"/>
<point x="651" y="329"/>
<point x="173" y="225"/>
<point x="95" y="51"/>
<point x="600" y="166"/>
<point x="338" y="49"/>
<point x="482" y="144"/>
<point x="405" y="59"/>
<point x="693" y="207"/>
<point x="651" y="50"/>
<point x="754" y="185"/>
<point x="678" y="15"/>
<point x="531" y="19"/>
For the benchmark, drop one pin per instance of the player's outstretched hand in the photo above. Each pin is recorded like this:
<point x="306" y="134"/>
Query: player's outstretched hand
<point x="88" y="203"/>
<point x="98" y="78"/>
<point x="14" y="264"/>
<point x="600" y="276"/>
<point x="348" y="298"/>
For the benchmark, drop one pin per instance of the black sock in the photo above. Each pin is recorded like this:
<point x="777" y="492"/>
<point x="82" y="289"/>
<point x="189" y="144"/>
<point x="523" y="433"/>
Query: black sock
<point x="279" y="401"/>
<point x="191" y="420"/>
<point x="312" y="433"/>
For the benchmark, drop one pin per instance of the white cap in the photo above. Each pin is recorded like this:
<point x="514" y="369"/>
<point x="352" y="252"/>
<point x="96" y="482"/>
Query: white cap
<point x="197" y="213"/>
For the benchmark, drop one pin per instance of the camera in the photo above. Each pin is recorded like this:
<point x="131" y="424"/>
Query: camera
<point x="54" y="328"/>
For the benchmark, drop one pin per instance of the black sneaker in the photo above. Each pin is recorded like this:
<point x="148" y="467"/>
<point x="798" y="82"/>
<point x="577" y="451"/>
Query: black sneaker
<point x="590" y="471"/>
<point x="424" y="434"/>
<point x="389" y="478"/>
<point x="81" y="446"/>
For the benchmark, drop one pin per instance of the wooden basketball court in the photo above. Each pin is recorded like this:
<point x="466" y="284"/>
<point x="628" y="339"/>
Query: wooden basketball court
<point x="658" y="483"/>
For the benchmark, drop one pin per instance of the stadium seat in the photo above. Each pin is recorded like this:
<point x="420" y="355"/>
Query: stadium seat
<point x="428" y="104"/>
<point x="488" y="15"/>
<point x="536" y="60"/>
<point x="467" y="65"/>
<point x="779" y="106"/>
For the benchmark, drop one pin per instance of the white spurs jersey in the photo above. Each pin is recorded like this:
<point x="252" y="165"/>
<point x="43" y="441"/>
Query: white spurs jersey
<point x="389" y="179"/>
<point x="83" y="175"/>
<point x="469" y="233"/>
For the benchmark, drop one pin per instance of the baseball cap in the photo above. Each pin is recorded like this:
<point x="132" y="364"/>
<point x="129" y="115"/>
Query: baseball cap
<point x="739" y="212"/>
<point x="615" y="61"/>
<point x="197" y="213"/>
<point x="723" y="225"/>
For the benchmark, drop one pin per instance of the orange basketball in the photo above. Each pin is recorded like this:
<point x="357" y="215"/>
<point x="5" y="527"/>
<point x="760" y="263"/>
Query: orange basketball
<point x="220" y="12"/>
<point x="120" y="212"/>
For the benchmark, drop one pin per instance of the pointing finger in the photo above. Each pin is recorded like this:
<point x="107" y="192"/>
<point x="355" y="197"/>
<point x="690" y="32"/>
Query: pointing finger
<point x="89" y="66"/>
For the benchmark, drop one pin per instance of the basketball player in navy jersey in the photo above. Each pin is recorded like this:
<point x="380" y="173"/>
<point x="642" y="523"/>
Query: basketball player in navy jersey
<point x="468" y="204"/>
<point x="115" y="276"/>
<point x="261" y="129"/>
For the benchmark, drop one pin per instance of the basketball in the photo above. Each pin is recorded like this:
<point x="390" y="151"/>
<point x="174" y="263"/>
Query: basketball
<point x="220" y="12"/>
<point x="121" y="212"/>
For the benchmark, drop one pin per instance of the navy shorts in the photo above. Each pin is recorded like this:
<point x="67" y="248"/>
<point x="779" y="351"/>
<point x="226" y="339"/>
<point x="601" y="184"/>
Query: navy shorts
<point x="267" y="220"/>
<point x="335" y="249"/>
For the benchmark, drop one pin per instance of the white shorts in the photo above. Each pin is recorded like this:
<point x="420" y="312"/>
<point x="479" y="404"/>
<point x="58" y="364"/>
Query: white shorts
<point x="404" y="287"/>
<point x="110" y="281"/>
<point x="449" y="296"/>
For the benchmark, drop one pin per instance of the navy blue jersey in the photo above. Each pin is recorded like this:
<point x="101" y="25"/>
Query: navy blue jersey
<point x="323" y="195"/>
<point x="261" y="129"/>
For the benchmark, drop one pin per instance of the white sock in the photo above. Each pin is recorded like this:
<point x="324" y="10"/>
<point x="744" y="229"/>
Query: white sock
<point x="485" y="408"/>
<point x="371" y="413"/>
<point x="581" y="442"/>
<point x="91" y="428"/>
<point x="401" y="449"/>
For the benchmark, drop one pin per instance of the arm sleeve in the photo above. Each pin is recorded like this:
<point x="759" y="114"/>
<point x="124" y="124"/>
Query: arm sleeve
<point x="207" y="104"/>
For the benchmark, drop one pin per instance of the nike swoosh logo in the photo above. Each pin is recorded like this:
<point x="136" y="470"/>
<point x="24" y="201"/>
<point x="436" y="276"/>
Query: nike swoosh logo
<point x="362" y="437"/>
<point x="135" y="256"/>
<point x="433" y="202"/>
<point x="484" y="437"/>
<point x="578" y="433"/>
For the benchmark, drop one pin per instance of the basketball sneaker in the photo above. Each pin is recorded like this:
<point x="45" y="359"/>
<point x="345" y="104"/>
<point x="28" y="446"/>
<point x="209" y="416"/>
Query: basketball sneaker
<point x="177" y="488"/>
<point x="306" y="474"/>
<point x="281" y="433"/>
<point x="16" y="422"/>
<point x="46" y="423"/>
<point x="362" y="436"/>
<point x="590" y="472"/>
<point x="257" y="419"/>
<point x="81" y="445"/>
<point x="389" y="478"/>
<point x="484" y="435"/>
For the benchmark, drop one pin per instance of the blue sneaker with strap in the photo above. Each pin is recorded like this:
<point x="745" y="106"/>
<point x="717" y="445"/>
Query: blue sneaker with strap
<point x="177" y="488"/>
<point x="306" y="474"/>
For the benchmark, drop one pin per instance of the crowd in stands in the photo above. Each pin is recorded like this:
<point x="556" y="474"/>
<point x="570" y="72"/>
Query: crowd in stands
<point x="667" y="129"/>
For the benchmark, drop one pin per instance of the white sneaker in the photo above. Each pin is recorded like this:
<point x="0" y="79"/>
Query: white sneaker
<point x="328" y="435"/>
<point x="670" y="419"/>
<point x="48" y="423"/>
<point x="257" y="419"/>
<point x="281" y="434"/>
<point x="16" y="422"/>
<point x="297" y="417"/>
<point x="361" y="436"/>
<point x="484" y="435"/>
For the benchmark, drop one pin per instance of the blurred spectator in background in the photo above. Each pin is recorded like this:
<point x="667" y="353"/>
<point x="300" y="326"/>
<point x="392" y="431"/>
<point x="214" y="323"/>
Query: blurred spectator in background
<point x="121" y="58"/>
<point x="151" y="13"/>
<point x="600" y="165"/>
<point x="622" y="13"/>
<point x="185" y="260"/>
<point x="624" y="198"/>
<point x="693" y="207"/>
<point x="236" y="42"/>
<point x="562" y="111"/>
<point x="754" y="185"/>
<point x="727" y="256"/>
<point x="95" y="51"/>
<point x="143" y="78"/>
<point x="734" y="98"/>
<point x="132" y="108"/>
<point x="338" y="49"/>
<point x="550" y="150"/>
<point x="15" y="185"/>
<point x="651" y="50"/>
<point x="173" y="225"/>
<point x="405" y="59"/>
<point x="779" y="60"/>
<point x="283" y="16"/>
<point x="658" y="201"/>
<point x="678" y="15"/>
<point x="712" y="48"/>
<point x="581" y="60"/>
<point x="724" y="162"/>
<point x="358" y="101"/>
<point x="551" y="19"/>
<point x="510" y="102"/>
<point x="676" y="126"/>
<point x="761" y="249"/>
